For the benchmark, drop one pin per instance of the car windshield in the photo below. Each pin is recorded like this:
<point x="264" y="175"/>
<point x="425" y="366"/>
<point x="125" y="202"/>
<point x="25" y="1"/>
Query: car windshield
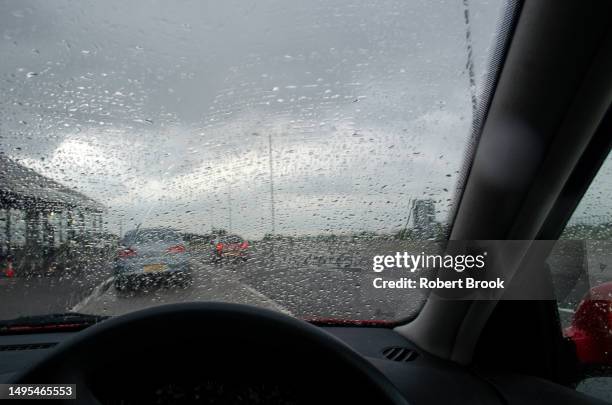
<point x="282" y="142"/>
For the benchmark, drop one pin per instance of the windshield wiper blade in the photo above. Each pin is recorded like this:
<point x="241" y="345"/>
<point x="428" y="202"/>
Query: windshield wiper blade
<point x="68" y="321"/>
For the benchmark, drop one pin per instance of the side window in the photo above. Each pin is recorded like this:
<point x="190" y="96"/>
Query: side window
<point x="581" y="266"/>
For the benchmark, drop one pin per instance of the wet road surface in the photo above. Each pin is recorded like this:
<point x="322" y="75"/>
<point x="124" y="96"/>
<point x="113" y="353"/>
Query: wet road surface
<point x="307" y="290"/>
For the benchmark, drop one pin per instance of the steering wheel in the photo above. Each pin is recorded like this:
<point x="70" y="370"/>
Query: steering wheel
<point x="143" y="353"/>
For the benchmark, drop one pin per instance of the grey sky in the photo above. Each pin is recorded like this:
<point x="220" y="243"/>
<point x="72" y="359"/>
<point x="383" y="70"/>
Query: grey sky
<point x="164" y="108"/>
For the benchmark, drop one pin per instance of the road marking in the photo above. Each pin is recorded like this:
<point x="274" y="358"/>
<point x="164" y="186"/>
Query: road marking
<point x="97" y="292"/>
<point x="274" y="304"/>
<point x="566" y="310"/>
<point x="101" y="288"/>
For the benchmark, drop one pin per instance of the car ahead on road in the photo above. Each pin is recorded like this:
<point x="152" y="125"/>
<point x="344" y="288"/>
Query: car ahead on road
<point x="152" y="256"/>
<point x="230" y="248"/>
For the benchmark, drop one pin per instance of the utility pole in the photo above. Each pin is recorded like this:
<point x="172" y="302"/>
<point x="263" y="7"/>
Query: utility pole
<point x="410" y="209"/>
<point x="273" y="219"/>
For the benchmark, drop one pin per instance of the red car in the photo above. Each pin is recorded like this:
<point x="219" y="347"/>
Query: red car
<point x="231" y="248"/>
<point x="591" y="327"/>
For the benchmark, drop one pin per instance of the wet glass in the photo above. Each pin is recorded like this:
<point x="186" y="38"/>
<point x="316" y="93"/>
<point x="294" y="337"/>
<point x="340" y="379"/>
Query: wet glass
<point x="313" y="131"/>
<point x="581" y="265"/>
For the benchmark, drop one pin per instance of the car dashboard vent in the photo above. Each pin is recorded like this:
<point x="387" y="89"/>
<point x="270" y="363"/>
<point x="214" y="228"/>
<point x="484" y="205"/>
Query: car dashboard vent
<point x="398" y="353"/>
<point x="27" y="346"/>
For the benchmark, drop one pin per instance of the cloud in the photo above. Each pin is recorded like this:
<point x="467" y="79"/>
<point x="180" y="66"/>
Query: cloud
<point x="348" y="173"/>
<point x="164" y="115"/>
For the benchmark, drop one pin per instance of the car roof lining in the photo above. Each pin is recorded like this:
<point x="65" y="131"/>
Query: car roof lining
<point x="552" y="94"/>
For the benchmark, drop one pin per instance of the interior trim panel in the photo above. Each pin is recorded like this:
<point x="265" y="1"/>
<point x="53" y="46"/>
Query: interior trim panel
<point x="420" y="377"/>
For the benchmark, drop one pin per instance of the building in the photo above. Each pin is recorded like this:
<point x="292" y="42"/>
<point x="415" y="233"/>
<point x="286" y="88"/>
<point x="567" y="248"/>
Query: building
<point x="38" y="214"/>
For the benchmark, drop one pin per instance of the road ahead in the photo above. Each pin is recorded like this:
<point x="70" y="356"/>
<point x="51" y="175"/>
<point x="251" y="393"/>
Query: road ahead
<point x="210" y="283"/>
<point x="305" y="292"/>
<point x="309" y="279"/>
<point x="323" y="289"/>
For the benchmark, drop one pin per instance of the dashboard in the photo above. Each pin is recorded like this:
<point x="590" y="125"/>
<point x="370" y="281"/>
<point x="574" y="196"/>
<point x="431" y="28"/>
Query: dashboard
<point x="412" y="374"/>
<point x="420" y="377"/>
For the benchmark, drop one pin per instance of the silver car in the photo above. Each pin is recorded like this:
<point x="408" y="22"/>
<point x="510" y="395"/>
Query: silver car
<point x="150" y="257"/>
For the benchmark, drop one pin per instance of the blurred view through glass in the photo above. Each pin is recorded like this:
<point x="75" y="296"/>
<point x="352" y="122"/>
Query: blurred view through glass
<point x="155" y="152"/>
